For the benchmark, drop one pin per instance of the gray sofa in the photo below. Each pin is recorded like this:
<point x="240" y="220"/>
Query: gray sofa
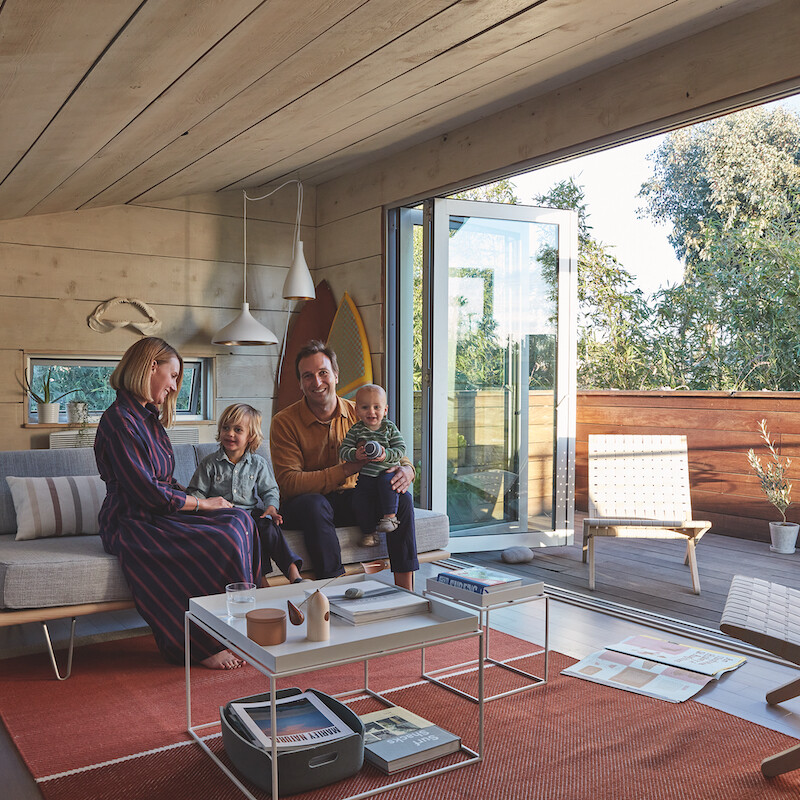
<point x="43" y="579"/>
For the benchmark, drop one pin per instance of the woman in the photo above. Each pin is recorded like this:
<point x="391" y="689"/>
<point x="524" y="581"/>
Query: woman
<point x="171" y="546"/>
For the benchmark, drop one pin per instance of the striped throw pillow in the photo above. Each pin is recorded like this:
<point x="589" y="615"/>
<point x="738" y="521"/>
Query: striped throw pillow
<point x="63" y="506"/>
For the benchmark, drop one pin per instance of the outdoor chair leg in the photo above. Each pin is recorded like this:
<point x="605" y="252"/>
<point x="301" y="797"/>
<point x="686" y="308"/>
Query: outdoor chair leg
<point x="785" y="692"/>
<point x="786" y="761"/>
<point x="70" y="648"/>
<point x="585" y="540"/>
<point x="691" y="556"/>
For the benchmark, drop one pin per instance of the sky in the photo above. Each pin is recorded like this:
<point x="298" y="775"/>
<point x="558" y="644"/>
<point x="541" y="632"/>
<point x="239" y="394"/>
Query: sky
<point x="611" y="181"/>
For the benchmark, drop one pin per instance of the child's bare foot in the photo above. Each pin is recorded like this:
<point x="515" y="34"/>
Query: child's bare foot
<point x="388" y="524"/>
<point x="369" y="540"/>
<point x="222" y="660"/>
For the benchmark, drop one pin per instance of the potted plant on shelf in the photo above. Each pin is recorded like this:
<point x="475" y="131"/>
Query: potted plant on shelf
<point x="47" y="406"/>
<point x="778" y="490"/>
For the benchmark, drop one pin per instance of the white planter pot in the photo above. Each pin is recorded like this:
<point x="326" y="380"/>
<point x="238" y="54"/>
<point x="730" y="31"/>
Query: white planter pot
<point x="47" y="412"/>
<point x="77" y="411"/>
<point x="783" y="536"/>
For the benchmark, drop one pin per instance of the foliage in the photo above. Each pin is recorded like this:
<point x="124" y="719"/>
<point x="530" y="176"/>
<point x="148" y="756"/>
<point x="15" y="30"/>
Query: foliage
<point x="738" y="172"/>
<point x="42" y="390"/>
<point x="613" y="349"/>
<point x="773" y="475"/>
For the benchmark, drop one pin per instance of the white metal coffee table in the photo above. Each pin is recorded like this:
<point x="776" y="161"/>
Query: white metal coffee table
<point x="483" y="604"/>
<point x="348" y="644"/>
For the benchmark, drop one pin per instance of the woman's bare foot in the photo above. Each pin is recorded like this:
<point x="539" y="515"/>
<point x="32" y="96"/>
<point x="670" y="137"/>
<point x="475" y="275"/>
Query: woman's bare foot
<point x="222" y="660"/>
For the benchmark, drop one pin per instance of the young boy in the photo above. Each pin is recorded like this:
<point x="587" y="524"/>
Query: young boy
<point x="374" y="495"/>
<point x="237" y="473"/>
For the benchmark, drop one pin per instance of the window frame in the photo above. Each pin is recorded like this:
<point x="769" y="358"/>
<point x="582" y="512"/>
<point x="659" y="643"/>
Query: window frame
<point x="201" y="400"/>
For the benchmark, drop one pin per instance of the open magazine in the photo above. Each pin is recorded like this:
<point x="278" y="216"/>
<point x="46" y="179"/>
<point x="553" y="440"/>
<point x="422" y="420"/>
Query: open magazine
<point x="655" y="667"/>
<point x="301" y="720"/>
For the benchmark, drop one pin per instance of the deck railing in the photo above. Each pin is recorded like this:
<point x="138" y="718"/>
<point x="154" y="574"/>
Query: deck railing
<point x="720" y="428"/>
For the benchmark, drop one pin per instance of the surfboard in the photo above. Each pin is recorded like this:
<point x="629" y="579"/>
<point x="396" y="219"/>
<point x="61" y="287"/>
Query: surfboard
<point x="313" y="321"/>
<point x="348" y="338"/>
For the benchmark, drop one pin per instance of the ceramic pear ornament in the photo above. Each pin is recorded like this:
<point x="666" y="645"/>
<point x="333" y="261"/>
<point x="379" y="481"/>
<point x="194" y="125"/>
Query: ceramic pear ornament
<point x="296" y="616"/>
<point x="318" y="627"/>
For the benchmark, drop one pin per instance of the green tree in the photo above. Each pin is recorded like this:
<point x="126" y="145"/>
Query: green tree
<point x="613" y="318"/>
<point x="731" y="189"/>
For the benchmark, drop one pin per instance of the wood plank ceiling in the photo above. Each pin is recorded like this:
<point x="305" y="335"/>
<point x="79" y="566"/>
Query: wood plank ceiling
<point x="116" y="101"/>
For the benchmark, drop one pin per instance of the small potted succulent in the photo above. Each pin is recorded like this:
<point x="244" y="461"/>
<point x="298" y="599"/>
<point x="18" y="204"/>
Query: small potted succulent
<point x="47" y="406"/>
<point x="778" y="490"/>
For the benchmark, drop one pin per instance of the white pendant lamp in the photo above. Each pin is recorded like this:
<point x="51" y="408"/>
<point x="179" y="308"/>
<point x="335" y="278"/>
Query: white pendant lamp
<point x="245" y="329"/>
<point x="299" y="285"/>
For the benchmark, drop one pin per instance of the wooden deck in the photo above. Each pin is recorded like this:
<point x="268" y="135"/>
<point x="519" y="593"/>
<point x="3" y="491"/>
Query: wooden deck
<point x="649" y="575"/>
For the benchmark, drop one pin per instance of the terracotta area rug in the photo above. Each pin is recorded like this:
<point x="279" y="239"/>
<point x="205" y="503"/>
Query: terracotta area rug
<point x="117" y="729"/>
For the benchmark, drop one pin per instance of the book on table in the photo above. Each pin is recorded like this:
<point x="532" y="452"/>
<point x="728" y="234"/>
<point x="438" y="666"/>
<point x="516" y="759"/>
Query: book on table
<point x="302" y="720"/>
<point x="377" y="601"/>
<point x="478" y="580"/>
<point x="396" y="739"/>
<point x="655" y="667"/>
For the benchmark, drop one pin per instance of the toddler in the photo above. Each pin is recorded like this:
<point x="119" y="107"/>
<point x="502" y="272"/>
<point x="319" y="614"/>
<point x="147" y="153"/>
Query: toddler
<point x="237" y="473"/>
<point x="373" y="496"/>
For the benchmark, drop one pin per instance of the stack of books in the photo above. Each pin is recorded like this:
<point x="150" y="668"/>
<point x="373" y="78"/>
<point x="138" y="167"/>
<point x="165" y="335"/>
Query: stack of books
<point x="478" y="580"/>
<point x="377" y="601"/>
<point x="396" y="739"/>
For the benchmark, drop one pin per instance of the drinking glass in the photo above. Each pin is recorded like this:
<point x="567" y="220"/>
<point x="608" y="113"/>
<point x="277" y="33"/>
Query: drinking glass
<point x="241" y="598"/>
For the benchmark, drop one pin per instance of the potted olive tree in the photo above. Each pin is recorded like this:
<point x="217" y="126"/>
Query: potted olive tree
<point x="778" y="490"/>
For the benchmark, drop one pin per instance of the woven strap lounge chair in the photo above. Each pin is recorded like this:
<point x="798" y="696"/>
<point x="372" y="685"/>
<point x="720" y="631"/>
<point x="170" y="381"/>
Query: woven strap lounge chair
<point x="639" y="487"/>
<point x="766" y="615"/>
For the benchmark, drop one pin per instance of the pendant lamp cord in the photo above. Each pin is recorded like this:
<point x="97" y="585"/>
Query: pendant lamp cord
<point x="295" y="240"/>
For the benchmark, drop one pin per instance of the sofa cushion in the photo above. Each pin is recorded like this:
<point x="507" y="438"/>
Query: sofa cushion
<point x="432" y="529"/>
<point x="57" y="506"/>
<point x="42" y="573"/>
<point x="38" y="464"/>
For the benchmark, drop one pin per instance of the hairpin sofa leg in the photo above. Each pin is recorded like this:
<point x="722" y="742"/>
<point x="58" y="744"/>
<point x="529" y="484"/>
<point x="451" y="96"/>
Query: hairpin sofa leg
<point x="70" y="647"/>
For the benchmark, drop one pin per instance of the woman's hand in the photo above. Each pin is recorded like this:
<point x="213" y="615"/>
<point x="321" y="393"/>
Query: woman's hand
<point x="402" y="478"/>
<point x="271" y="511"/>
<point x="213" y="503"/>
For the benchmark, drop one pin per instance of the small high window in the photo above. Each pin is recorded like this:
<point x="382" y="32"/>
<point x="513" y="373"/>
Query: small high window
<point x="87" y="379"/>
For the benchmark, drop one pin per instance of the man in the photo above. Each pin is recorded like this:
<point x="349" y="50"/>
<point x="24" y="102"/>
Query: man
<point x="316" y="488"/>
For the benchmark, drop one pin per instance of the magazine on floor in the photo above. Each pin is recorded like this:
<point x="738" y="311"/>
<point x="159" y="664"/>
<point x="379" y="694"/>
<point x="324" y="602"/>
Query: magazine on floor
<point x="376" y="601"/>
<point x="655" y="667"/>
<point x="301" y="720"/>
<point x="396" y="739"/>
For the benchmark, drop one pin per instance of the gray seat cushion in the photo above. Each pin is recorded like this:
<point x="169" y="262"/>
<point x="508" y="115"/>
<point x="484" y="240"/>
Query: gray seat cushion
<point x="42" y="573"/>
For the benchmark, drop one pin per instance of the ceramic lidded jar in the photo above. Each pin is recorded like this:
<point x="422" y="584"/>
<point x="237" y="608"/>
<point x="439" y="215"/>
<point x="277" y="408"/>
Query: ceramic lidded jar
<point x="266" y="626"/>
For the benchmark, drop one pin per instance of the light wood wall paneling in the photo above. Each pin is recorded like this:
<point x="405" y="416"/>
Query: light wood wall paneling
<point x="12" y="364"/>
<point x="362" y="278"/>
<point x="352" y="238"/>
<point x="673" y="82"/>
<point x="127" y="80"/>
<point x="184" y="327"/>
<point x="279" y="207"/>
<point x="214" y="80"/>
<point x="160" y="232"/>
<point x="369" y="27"/>
<point x="242" y="374"/>
<point x="55" y="21"/>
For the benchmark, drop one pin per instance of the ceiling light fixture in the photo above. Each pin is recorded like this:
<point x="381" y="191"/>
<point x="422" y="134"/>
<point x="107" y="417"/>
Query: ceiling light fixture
<point x="245" y="329"/>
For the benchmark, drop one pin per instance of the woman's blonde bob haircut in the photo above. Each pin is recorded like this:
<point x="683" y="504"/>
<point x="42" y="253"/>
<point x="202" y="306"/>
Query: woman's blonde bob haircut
<point x="135" y="368"/>
<point x="246" y="416"/>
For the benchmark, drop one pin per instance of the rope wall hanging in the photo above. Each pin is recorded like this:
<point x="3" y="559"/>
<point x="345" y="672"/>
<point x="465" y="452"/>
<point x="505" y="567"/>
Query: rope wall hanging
<point x="97" y="321"/>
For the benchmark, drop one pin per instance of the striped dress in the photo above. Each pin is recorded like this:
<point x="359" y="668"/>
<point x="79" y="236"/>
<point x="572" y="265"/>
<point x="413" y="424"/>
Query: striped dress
<point x="167" y="556"/>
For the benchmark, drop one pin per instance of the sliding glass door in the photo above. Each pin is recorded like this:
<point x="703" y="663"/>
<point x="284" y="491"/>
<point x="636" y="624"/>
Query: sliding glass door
<point x="482" y="334"/>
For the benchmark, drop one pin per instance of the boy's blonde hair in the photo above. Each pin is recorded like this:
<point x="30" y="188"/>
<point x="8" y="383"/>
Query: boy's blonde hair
<point x="134" y="370"/>
<point x="238" y="412"/>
